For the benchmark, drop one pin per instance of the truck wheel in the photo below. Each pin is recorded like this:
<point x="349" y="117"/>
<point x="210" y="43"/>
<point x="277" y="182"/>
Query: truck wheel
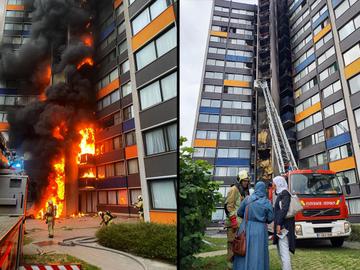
<point x="337" y="242"/>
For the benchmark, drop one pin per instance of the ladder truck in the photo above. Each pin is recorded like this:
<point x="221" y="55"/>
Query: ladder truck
<point x="325" y="211"/>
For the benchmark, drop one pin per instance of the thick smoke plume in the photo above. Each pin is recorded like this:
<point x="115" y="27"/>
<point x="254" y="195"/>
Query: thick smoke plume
<point x="68" y="103"/>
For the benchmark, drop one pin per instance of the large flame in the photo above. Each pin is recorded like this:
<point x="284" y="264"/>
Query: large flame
<point x="89" y="173"/>
<point x="87" y="144"/>
<point x="87" y="60"/>
<point x="46" y="78"/>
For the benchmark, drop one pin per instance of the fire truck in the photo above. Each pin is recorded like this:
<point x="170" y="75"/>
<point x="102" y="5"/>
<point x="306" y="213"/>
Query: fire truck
<point x="325" y="210"/>
<point x="13" y="195"/>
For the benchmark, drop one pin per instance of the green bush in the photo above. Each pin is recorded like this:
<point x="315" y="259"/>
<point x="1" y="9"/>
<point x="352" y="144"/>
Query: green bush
<point x="149" y="240"/>
<point x="198" y="197"/>
<point x="355" y="233"/>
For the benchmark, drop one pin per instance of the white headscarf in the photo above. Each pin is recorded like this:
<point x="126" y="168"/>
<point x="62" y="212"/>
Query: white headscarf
<point x="280" y="183"/>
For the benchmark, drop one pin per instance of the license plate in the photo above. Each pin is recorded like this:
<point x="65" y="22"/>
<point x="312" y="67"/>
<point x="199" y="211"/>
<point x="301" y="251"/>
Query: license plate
<point x="324" y="234"/>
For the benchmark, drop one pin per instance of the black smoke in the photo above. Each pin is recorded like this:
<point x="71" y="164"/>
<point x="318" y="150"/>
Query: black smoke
<point x="57" y="28"/>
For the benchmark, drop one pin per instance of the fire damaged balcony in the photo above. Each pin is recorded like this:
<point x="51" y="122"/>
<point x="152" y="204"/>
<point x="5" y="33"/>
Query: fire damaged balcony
<point x="287" y="103"/>
<point x="288" y="119"/>
<point x="291" y="135"/>
<point x="86" y="159"/>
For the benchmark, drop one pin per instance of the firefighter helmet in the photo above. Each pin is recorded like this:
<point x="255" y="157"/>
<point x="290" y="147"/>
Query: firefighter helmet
<point x="139" y="198"/>
<point x="50" y="202"/>
<point x="243" y="175"/>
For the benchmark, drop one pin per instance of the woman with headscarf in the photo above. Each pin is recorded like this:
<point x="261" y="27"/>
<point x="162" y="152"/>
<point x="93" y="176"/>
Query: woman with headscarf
<point x="260" y="212"/>
<point x="286" y="242"/>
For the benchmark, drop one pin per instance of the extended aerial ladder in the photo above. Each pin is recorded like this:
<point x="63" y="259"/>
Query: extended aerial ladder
<point x="281" y="146"/>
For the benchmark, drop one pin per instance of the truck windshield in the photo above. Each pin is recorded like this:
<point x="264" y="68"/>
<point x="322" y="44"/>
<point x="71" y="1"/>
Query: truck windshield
<point x="315" y="184"/>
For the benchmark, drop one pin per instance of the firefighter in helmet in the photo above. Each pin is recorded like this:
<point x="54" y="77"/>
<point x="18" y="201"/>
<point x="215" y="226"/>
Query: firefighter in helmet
<point x="50" y="218"/>
<point x="140" y="206"/>
<point x="106" y="217"/>
<point x="236" y="194"/>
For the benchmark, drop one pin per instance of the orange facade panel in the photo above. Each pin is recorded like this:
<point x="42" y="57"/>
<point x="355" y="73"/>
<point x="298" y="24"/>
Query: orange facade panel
<point x="205" y="143"/>
<point x="322" y="33"/>
<point x="307" y="112"/>
<point x="117" y="3"/>
<point x="236" y="83"/>
<point x="342" y="164"/>
<point x="218" y="34"/>
<point x="108" y="89"/>
<point x="163" y="217"/>
<point x="4" y="126"/>
<point x="131" y="152"/>
<point x="15" y="7"/>
<point x="152" y="29"/>
<point x="352" y="69"/>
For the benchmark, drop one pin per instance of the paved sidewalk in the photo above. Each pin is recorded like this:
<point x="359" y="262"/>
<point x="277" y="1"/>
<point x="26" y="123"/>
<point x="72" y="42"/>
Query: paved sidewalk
<point x="84" y="226"/>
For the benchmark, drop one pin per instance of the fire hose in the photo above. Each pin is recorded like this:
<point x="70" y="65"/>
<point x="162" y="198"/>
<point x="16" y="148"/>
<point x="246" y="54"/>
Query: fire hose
<point x="86" y="241"/>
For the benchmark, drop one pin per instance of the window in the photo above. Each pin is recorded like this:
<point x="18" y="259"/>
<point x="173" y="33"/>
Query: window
<point x="217" y="39"/>
<point x="240" y="21"/>
<point x="204" y="152"/>
<point x="237" y="90"/>
<point x="109" y="170"/>
<point x="297" y="10"/>
<point x="238" y="65"/>
<point x="133" y="166"/>
<point x="159" y="91"/>
<point x="157" y="48"/>
<point x="117" y="142"/>
<point x="239" y="53"/>
<point x="222" y="9"/>
<point x="102" y="197"/>
<point x="313" y="161"/>
<point x="119" y="9"/>
<point x="214" y="103"/>
<point x="113" y="75"/>
<point x="235" y="119"/>
<point x="111" y="197"/>
<point x="307" y="103"/>
<point x="149" y="14"/>
<point x="305" y="72"/>
<point x="124" y="67"/>
<point x="229" y="171"/>
<point x="100" y="172"/>
<point x="213" y="75"/>
<point x="323" y="40"/>
<point x="128" y="113"/>
<point x="344" y="6"/>
<point x="220" y="18"/>
<point x="350" y="174"/>
<point x="206" y="134"/>
<point x="302" y="44"/>
<point x="328" y="72"/>
<point x="300" y="32"/>
<point x="163" y="194"/>
<point x="311" y="140"/>
<point x="315" y="4"/>
<point x="119" y="168"/>
<point x="331" y="89"/>
<point x="235" y="135"/>
<point x="304" y="56"/>
<point x="123" y="197"/>
<point x="134" y="193"/>
<point x="242" y="12"/>
<point x="236" y="104"/>
<point x="340" y="152"/>
<point x="233" y="153"/>
<point x="14" y="13"/>
<point x="321" y="26"/>
<point x="108" y="58"/>
<point x="300" y="19"/>
<point x="122" y="47"/>
<point x="126" y="89"/>
<point x="351" y="55"/>
<point x="109" y="20"/>
<point x="212" y="88"/>
<point x="349" y="27"/>
<point x="337" y="129"/>
<point x="330" y="52"/>
<point x="216" y="50"/>
<point x="109" y="99"/>
<point x="161" y="139"/>
<point x="307" y="122"/>
<point x="219" y="28"/>
<point x="237" y="41"/>
<point x="108" y="40"/>
<point x="238" y="77"/>
<point x="318" y="14"/>
<point x="130" y="138"/>
<point x="209" y="118"/>
<point x="357" y="117"/>
<point x="334" y="108"/>
<point x="213" y="62"/>
<point x="354" y="84"/>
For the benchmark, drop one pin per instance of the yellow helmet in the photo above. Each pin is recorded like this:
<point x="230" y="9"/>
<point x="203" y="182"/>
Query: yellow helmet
<point x="243" y="175"/>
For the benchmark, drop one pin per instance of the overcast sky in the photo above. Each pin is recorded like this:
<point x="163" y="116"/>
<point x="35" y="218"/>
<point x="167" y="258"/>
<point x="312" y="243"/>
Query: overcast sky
<point x="194" y="27"/>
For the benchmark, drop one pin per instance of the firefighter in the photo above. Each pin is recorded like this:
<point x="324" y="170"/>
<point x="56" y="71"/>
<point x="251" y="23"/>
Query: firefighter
<point x="236" y="194"/>
<point x="106" y="218"/>
<point x="50" y="218"/>
<point x="139" y="205"/>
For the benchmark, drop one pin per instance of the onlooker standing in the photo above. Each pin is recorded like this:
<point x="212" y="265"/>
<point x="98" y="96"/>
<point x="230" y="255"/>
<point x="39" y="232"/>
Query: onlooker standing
<point x="285" y="227"/>
<point x="260" y="212"/>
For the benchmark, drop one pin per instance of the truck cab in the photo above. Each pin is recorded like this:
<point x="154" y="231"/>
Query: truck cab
<point x="325" y="211"/>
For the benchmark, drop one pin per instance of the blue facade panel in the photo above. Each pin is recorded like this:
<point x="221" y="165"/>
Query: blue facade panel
<point x="338" y="140"/>
<point x="238" y="58"/>
<point x="296" y="6"/>
<point x="305" y="63"/>
<point x="104" y="34"/>
<point x="26" y="33"/>
<point x="209" y="110"/>
<point x="129" y="125"/>
<point x="335" y="3"/>
<point x="8" y="91"/>
<point x="116" y="182"/>
<point x="232" y="162"/>
<point x="320" y="19"/>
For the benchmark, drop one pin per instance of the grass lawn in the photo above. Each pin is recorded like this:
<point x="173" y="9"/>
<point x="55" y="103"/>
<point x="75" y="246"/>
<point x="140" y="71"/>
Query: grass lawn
<point x="57" y="259"/>
<point x="217" y="244"/>
<point x="355" y="233"/>
<point x="309" y="259"/>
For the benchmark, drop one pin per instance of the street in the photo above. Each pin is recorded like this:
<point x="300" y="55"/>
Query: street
<point x="82" y="226"/>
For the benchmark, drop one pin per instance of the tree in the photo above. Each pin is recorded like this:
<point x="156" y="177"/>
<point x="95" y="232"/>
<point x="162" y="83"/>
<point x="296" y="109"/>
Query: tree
<point x="198" y="198"/>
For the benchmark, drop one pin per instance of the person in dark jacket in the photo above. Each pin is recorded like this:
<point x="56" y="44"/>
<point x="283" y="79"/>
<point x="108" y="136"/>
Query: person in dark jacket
<point x="284" y="228"/>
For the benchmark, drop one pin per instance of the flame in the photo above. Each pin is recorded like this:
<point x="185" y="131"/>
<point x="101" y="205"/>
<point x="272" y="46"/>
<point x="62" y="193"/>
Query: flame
<point x="46" y="78"/>
<point x="56" y="189"/>
<point x="59" y="131"/>
<point x="87" y="144"/>
<point x="87" y="60"/>
<point x="88" y="41"/>
<point x="88" y="174"/>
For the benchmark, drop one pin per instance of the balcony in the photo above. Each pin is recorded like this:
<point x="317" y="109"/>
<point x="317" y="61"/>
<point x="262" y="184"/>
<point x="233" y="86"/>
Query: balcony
<point x="291" y="135"/>
<point x="287" y="102"/>
<point x="288" y="119"/>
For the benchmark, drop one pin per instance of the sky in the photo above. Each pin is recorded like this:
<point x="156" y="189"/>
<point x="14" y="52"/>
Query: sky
<point x="194" y="27"/>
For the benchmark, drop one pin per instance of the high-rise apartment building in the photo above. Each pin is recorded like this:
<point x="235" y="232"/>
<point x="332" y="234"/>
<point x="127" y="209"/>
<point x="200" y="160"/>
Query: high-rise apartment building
<point x="309" y="53"/>
<point x="136" y="82"/>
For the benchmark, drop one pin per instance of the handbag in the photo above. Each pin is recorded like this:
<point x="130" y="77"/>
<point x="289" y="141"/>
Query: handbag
<point x="239" y="243"/>
<point x="294" y="207"/>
